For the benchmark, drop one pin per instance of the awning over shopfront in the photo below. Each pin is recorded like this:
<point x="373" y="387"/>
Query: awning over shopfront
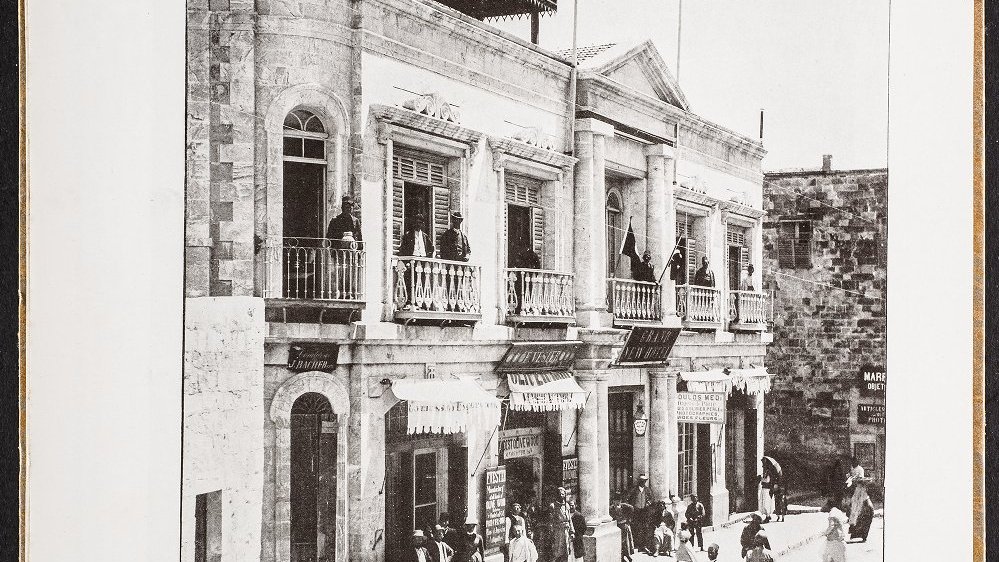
<point x="751" y="381"/>
<point x="545" y="392"/>
<point x="446" y="405"/>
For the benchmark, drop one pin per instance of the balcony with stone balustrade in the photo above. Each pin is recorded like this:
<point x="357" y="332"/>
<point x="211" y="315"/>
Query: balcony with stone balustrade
<point x="535" y="296"/>
<point x="435" y="291"/>
<point x="635" y="302"/>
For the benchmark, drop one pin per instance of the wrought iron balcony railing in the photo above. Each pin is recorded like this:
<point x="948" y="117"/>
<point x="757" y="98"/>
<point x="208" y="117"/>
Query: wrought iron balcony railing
<point x="314" y="269"/>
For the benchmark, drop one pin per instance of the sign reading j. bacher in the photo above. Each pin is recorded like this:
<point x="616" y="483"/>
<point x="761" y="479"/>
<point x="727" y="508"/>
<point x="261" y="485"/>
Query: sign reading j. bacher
<point x="700" y="407"/>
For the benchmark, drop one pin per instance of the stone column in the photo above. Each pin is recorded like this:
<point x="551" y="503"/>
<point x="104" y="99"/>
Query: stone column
<point x="719" y="489"/>
<point x="660" y="220"/>
<point x="589" y="230"/>
<point x="603" y="539"/>
<point x="672" y="430"/>
<point x="660" y="461"/>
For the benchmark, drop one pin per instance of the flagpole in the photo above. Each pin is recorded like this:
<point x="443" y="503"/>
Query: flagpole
<point x="669" y="261"/>
<point x="679" y="28"/>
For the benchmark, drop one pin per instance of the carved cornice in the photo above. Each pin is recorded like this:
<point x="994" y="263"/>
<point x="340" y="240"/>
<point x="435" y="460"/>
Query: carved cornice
<point x="503" y="146"/>
<point x="703" y="199"/>
<point x="411" y="119"/>
<point x="744" y="210"/>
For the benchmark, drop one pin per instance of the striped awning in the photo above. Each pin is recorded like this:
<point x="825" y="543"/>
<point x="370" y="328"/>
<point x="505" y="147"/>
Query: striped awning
<point x="751" y="381"/>
<point x="446" y="405"/>
<point x="545" y="392"/>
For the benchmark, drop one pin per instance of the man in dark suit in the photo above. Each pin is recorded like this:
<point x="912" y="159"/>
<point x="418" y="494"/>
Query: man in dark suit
<point x="695" y="515"/>
<point x="440" y="550"/>
<point x="454" y="243"/>
<point x="704" y="277"/>
<point x="471" y="547"/>
<point x="343" y="223"/>
<point x="417" y="241"/>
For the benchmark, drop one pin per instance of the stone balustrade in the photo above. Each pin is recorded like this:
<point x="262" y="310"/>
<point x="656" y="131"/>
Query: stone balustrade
<point x="537" y="295"/>
<point x="427" y="288"/>
<point x="699" y="307"/>
<point x="748" y="310"/>
<point x="635" y="301"/>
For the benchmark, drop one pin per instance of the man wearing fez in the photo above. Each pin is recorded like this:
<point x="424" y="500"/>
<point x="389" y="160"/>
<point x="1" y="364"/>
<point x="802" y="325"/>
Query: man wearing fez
<point x="704" y="277"/>
<point x="343" y="223"/>
<point x="454" y="243"/>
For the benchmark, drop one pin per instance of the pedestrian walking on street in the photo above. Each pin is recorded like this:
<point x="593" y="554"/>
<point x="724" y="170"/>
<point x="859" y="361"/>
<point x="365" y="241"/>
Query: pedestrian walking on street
<point x="561" y="528"/>
<point x="578" y="531"/>
<point x="623" y="513"/>
<point x="761" y="549"/>
<point x="862" y="527"/>
<point x="859" y="483"/>
<point x="417" y="552"/>
<point x="695" y="514"/>
<point x="835" y="533"/>
<point x="641" y="497"/>
<point x="675" y="510"/>
<point x="748" y="537"/>
<point x="513" y="518"/>
<point x="780" y="502"/>
<point x="521" y="548"/>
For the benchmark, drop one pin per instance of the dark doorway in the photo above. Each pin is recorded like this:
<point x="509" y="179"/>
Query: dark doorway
<point x="303" y="189"/>
<point x="621" y="421"/>
<point x="523" y="480"/>
<point x="752" y="461"/>
<point x="705" y="466"/>
<point x="313" y="479"/>
<point x="734" y="267"/>
<point x="457" y="482"/>
<point x="418" y="202"/>
<point x="518" y="239"/>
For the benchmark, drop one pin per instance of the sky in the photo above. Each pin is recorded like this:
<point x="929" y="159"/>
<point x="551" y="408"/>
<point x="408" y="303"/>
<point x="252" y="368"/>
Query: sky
<point x="818" y="69"/>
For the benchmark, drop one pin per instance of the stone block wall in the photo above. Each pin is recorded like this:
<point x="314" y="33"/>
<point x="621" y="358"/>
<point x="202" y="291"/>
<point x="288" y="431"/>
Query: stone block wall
<point x="224" y="420"/>
<point x="829" y="319"/>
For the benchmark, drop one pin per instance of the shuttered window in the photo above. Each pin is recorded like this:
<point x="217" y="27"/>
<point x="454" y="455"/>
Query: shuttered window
<point x="794" y="244"/>
<point x="738" y="253"/>
<point x="428" y="192"/>
<point x="693" y="245"/>
<point x="526" y="192"/>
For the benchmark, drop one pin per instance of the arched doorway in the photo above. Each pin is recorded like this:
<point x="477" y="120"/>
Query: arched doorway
<point x="313" y="479"/>
<point x="304" y="195"/>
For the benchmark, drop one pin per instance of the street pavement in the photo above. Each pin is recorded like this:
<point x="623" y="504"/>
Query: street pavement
<point x="793" y="540"/>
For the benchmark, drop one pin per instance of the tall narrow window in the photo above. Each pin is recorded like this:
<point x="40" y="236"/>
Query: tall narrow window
<point x="615" y="232"/>
<point x="304" y="175"/>
<point x="313" y="478"/>
<point x="525" y="222"/>
<point x="794" y="244"/>
<point x="688" y="232"/>
<point x="420" y="189"/>
<point x="737" y="254"/>
<point x="687" y="459"/>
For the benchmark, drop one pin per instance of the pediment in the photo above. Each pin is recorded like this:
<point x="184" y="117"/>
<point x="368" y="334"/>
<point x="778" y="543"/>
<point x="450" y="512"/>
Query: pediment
<point x="642" y="69"/>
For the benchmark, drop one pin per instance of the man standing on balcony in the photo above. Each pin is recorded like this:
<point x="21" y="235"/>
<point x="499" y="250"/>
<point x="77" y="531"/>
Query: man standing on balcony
<point x="642" y="270"/>
<point x="454" y="243"/>
<point x="416" y="241"/>
<point x="746" y="282"/>
<point x="343" y="223"/>
<point x="704" y="277"/>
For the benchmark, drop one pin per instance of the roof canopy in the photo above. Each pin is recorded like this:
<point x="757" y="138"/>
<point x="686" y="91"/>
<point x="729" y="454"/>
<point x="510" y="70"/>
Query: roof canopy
<point x="750" y="381"/>
<point x="545" y="392"/>
<point x="485" y="9"/>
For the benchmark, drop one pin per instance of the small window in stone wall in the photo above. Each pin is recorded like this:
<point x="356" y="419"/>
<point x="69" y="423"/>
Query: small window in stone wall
<point x="794" y="244"/>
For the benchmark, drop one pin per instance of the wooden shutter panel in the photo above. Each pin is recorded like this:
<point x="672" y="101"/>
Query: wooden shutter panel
<point x="442" y="209"/>
<point x="398" y="212"/>
<point x="538" y="230"/>
<point x="691" y="259"/>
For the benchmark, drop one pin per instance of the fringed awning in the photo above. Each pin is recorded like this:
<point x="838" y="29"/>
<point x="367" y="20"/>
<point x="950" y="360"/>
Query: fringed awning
<point x="751" y="381"/>
<point x="446" y="405"/>
<point x="545" y="392"/>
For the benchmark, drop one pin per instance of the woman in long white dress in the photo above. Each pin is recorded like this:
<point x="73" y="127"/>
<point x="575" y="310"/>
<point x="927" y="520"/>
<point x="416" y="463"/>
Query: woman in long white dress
<point x="835" y="548"/>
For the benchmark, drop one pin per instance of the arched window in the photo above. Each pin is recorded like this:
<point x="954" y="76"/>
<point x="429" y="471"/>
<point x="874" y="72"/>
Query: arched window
<point x="615" y="232"/>
<point x="313" y="478"/>
<point x="304" y="162"/>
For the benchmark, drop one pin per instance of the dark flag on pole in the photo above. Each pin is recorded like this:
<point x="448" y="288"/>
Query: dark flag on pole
<point x="630" y="246"/>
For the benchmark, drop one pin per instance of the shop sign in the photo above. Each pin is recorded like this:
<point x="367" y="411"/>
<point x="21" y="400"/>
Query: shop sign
<point x="640" y="426"/>
<point x="312" y="356"/>
<point x="495" y="507"/>
<point x="534" y="357"/>
<point x="515" y="443"/>
<point x="328" y="427"/>
<point x="871" y="414"/>
<point x="570" y="477"/>
<point x="647" y="346"/>
<point x="700" y="407"/>
<point x="872" y="381"/>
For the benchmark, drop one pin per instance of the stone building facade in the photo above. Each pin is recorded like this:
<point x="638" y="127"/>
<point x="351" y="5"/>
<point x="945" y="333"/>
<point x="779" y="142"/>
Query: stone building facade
<point x="344" y="388"/>
<point x="825" y="247"/>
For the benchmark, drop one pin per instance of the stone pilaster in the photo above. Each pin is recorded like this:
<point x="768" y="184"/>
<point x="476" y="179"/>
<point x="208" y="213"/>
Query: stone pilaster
<point x="587" y="436"/>
<point x="603" y="446"/>
<point x="589" y="231"/>
<point x="661" y="463"/>
<point x="660" y="220"/>
<point x="672" y="430"/>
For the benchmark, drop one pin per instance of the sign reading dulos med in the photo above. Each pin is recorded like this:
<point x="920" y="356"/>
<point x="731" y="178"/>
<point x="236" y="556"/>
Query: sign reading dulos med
<point x="700" y="407"/>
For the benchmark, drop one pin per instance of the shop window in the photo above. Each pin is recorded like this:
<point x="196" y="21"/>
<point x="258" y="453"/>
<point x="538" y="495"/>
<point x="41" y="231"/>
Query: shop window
<point x="208" y="527"/>
<point x="305" y="168"/>
<point x="420" y="188"/>
<point x="687" y="459"/>
<point x="866" y="453"/>
<point x="794" y="244"/>
<point x="615" y="232"/>
<point x="525" y="222"/>
<point x="425" y="501"/>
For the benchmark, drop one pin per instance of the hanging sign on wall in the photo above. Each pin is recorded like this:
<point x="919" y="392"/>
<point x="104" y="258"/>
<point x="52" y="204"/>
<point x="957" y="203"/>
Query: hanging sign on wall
<point x="700" y="407"/>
